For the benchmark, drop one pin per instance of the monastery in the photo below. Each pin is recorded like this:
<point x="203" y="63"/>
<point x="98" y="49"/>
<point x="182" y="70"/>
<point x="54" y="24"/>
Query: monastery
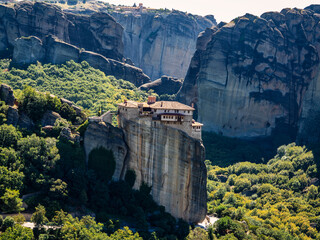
<point x="170" y="113"/>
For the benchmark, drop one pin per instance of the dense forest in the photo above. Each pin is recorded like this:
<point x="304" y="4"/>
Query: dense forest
<point x="44" y="173"/>
<point x="87" y="87"/>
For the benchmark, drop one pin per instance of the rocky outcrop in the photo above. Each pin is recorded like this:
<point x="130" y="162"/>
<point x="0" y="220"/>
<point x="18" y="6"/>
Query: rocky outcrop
<point x="251" y="77"/>
<point x="165" y="158"/>
<point x="49" y="118"/>
<point x="161" y="43"/>
<point x="6" y="94"/>
<point x="98" y="32"/>
<point x="100" y="134"/>
<point x="68" y="135"/>
<point x="163" y="85"/>
<point x="29" y="50"/>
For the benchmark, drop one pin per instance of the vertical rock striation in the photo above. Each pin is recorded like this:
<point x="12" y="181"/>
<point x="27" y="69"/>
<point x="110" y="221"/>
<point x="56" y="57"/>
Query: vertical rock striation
<point x="98" y="32"/>
<point x="165" y="158"/>
<point x="29" y="50"/>
<point x="161" y="43"/>
<point x="249" y="78"/>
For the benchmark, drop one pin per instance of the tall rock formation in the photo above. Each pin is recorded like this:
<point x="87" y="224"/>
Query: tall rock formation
<point x="161" y="43"/>
<point x="98" y="32"/>
<point x="163" y="157"/>
<point x="256" y="75"/>
<point x="29" y="50"/>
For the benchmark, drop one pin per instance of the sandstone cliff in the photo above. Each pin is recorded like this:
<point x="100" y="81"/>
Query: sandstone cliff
<point x="29" y="50"/>
<point x="161" y="43"/>
<point x="98" y="32"/>
<point x="164" y="158"/>
<point x="250" y="77"/>
<point x="163" y="85"/>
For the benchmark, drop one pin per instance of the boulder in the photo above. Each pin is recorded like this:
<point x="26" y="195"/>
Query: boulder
<point x="67" y="134"/>
<point x="6" y="94"/>
<point x="12" y="116"/>
<point x="28" y="50"/>
<point x="58" y="52"/>
<point x="163" y="85"/>
<point x="25" y="122"/>
<point x="49" y="118"/>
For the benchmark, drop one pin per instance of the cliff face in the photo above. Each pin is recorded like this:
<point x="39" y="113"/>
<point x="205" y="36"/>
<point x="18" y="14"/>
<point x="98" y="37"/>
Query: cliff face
<point x="161" y="44"/>
<point x="163" y="85"/>
<point x="250" y="77"/>
<point x="52" y="50"/>
<point x="164" y="158"/>
<point x="98" y="32"/>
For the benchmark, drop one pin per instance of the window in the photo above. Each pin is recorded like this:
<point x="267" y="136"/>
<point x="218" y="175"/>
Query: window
<point x="155" y="110"/>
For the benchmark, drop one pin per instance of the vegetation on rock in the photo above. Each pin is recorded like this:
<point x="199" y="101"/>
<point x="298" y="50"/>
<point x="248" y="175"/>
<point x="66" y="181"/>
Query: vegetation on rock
<point x="78" y="82"/>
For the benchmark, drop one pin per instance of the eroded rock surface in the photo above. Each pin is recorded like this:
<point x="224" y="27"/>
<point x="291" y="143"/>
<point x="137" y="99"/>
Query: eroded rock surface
<point x="249" y="78"/>
<point x="52" y="50"/>
<point x="165" y="158"/>
<point x="109" y="137"/>
<point x="98" y="32"/>
<point x="161" y="43"/>
<point x="163" y="85"/>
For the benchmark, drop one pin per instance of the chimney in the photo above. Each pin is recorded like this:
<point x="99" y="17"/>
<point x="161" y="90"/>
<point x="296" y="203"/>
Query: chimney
<point x="192" y="105"/>
<point x="125" y="102"/>
<point x="151" y="99"/>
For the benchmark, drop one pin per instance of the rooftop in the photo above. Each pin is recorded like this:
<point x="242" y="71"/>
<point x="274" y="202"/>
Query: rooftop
<point x="158" y="105"/>
<point x="171" y="105"/>
<point x="129" y="104"/>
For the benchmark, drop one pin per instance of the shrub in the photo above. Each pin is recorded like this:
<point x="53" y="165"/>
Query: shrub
<point x="103" y="163"/>
<point x="11" y="201"/>
<point x="7" y="223"/>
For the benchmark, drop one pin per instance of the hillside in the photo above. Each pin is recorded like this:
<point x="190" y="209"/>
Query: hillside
<point x="78" y="82"/>
<point x="276" y="200"/>
<point x="42" y="161"/>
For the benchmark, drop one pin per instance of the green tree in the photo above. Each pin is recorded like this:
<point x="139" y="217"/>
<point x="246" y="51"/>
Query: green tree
<point x="198" y="234"/>
<point x="7" y="222"/>
<point x="39" y="216"/>
<point x="9" y="136"/>
<point x="11" y="201"/>
<point x="10" y="180"/>
<point x="39" y="156"/>
<point x="17" y="232"/>
<point x="58" y="189"/>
